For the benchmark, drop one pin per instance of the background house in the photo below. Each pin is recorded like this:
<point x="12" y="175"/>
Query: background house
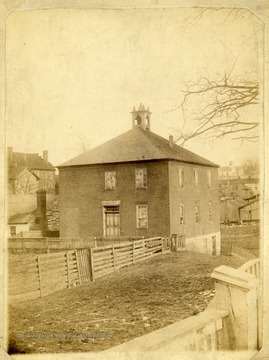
<point x="235" y="188"/>
<point x="28" y="173"/>
<point x="35" y="219"/>
<point x="251" y="210"/>
<point x="229" y="210"/>
<point x="140" y="184"/>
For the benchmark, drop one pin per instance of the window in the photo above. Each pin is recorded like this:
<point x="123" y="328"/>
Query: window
<point x="209" y="180"/>
<point x="12" y="230"/>
<point x="141" y="216"/>
<point x="181" y="214"/>
<point x="110" y="180"/>
<point x="180" y="177"/>
<point x="197" y="211"/>
<point x="210" y="211"/>
<point x="141" y="178"/>
<point x="195" y="178"/>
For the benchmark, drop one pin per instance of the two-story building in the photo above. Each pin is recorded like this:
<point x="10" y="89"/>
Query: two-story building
<point x="140" y="184"/>
<point x="28" y="173"/>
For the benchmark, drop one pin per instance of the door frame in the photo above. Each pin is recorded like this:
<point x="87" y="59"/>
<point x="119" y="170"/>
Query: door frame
<point x="106" y="203"/>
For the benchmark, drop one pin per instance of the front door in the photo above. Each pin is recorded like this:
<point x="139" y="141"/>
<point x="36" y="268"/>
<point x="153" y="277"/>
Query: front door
<point x="112" y="221"/>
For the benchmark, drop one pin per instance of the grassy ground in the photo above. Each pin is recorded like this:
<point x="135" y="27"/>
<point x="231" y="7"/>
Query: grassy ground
<point x="121" y="306"/>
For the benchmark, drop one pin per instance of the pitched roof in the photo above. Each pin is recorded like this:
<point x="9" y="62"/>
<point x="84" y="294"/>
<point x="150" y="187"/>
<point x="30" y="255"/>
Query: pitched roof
<point x="249" y="203"/>
<point x="25" y="218"/>
<point x="136" y="144"/>
<point x="31" y="161"/>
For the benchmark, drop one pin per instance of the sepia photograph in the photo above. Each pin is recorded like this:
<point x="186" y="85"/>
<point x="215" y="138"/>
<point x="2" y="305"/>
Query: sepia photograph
<point x="134" y="180"/>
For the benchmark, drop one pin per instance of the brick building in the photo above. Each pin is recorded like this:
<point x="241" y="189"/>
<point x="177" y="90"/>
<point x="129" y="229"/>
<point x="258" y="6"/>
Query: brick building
<point x="140" y="184"/>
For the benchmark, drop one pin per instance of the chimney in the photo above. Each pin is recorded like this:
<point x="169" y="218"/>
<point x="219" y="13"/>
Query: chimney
<point x="41" y="215"/>
<point x="171" y="141"/>
<point x="230" y="163"/>
<point x="46" y="156"/>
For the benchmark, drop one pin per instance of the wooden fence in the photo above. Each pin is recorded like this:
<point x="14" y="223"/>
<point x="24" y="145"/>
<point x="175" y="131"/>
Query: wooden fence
<point x="244" y="253"/>
<point x="32" y="276"/>
<point x="39" y="275"/>
<point x="48" y="244"/>
<point x="110" y="258"/>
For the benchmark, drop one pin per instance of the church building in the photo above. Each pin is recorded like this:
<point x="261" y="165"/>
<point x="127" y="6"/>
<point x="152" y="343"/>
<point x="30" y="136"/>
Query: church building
<point x="139" y="184"/>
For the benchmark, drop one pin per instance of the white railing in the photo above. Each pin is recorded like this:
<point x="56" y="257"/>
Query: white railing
<point x="252" y="267"/>
<point x="196" y="333"/>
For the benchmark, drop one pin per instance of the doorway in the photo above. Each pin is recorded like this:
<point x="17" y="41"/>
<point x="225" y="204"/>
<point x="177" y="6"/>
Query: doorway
<point x="112" y="221"/>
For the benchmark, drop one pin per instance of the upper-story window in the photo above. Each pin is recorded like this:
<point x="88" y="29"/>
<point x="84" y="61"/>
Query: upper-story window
<point x="209" y="178"/>
<point x="180" y="177"/>
<point x="141" y="178"/>
<point x="197" y="211"/>
<point x="181" y="214"/>
<point x="110" y="180"/>
<point x="210" y="211"/>
<point x="195" y="174"/>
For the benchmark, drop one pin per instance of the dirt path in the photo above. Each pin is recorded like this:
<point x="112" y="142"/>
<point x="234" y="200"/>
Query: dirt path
<point x="119" y="307"/>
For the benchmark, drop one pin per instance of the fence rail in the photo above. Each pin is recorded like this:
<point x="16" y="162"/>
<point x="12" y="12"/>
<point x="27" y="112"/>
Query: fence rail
<point x="32" y="276"/>
<point x="39" y="275"/>
<point x="110" y="258"/>
<point x="196" y="333"/>
<point x="49" y="244"/>
<point x="252" y="267"/>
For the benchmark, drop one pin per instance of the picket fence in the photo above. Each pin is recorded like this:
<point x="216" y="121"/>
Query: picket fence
<point x="32" y="276"/>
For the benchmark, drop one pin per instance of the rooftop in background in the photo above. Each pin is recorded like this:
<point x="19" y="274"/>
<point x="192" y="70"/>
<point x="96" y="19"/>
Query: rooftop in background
<point x="31" y="161"/>
<point x="138" y="144"/>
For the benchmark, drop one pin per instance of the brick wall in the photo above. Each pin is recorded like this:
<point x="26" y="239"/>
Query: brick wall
<point x="82" y="191"/>
<point x="188" y="194"/>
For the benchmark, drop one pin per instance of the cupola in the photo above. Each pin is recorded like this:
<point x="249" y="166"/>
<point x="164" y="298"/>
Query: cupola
<point x="141" y="117"/>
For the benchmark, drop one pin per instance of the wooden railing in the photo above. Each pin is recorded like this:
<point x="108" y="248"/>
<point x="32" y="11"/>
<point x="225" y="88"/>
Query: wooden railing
<point x="252" y="267"/>
<point x="196" y="333"/>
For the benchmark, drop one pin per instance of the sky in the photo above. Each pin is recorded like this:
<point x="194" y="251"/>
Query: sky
<point x="73" y="76"/>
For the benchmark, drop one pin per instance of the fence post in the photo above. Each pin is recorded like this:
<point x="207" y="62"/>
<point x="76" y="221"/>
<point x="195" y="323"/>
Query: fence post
<point x="91" y="264"/>
<point x="39" y="275"/>
<point x="47" y="245"/>
<point x="23" y="246"/>
<point x="67" y="264"/>
<point x="236" y="292"/>
<point x="78" y="265"/>
<point x="133" y="252"/>
<point x="113" y="254"/>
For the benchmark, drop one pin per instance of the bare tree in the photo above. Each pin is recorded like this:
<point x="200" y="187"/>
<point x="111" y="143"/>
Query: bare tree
<point x="213" y="107"/>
